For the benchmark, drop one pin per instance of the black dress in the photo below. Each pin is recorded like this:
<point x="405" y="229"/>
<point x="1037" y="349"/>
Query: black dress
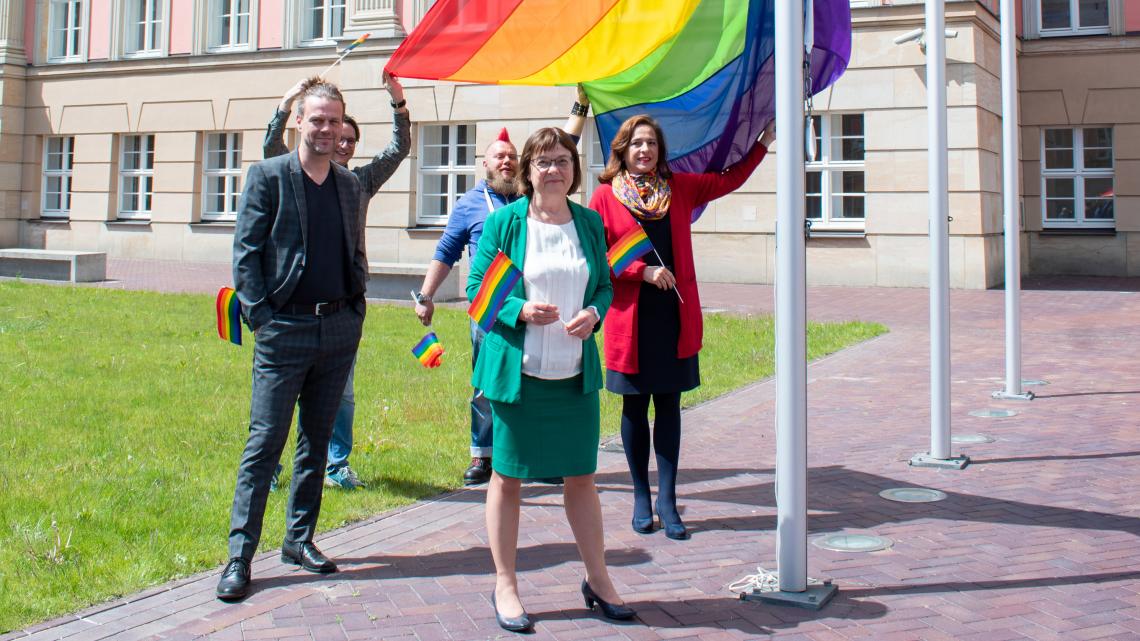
<point x="658" y="329"/>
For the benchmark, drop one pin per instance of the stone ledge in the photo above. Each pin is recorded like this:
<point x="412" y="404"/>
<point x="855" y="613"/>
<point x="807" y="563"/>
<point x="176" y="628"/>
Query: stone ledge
<point x="54" y="264"/>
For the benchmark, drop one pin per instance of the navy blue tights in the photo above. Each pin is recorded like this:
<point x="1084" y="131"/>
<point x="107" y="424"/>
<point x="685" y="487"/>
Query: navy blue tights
<point x="666" y="445"/>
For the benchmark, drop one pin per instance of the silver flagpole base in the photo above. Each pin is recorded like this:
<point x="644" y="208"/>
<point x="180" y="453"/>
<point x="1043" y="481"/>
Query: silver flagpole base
<point x="815" y="597"/>
<point x="1006" y="396"/>
<point x="924" y="459"/>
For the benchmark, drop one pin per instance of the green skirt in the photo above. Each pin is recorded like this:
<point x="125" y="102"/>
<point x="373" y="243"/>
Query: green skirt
<point x="552" y="432"/>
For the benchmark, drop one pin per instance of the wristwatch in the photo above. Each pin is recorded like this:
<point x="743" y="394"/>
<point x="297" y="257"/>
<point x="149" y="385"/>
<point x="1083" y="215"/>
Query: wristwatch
<point x="422" y="298"/>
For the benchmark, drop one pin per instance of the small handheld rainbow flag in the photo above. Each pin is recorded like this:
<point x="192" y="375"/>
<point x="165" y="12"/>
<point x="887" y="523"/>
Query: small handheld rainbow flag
<point x="500" y="277"/>
<point x="356" y="43"/>
<point x="228" y="310"/>
<point x="428" y="350"/>
<point x="628" y="248"/>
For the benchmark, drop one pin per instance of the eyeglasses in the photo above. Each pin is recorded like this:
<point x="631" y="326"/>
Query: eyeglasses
<point x="543" y="164"/>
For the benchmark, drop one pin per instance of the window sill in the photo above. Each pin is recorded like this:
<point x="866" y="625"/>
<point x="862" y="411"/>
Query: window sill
<point x="129" y="223"/>
<point x="837" y="233"/>
<point x="1078" y="231"/>
<point x="423" y="228"/>
<point x="51" y="220"/>
<point x="211" y="225"/>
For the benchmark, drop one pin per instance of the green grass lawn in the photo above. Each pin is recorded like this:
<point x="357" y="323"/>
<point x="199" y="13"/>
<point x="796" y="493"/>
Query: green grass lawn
<point x="123" y="417"/>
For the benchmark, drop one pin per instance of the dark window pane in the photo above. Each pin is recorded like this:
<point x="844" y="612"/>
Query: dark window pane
<point x="1094" y="13"/>
<point x="814" y="182"/>
<point x="1098" y="137"/>
<point x="852" y="149"/>
<point x="1059" y="210"/>
<point x="1098" y="188"/>
<point x="1055" y="14"/>
<point x="1098" y="158"/>
<point x="1059" y="159"/>
<point x="814" y="206"/>
<point x="1059" y="188"/>
<point x="853" y="125"/>
<point x="852" y="206"/>
<point x="853" y="182"/>
<point x="1098" y="209"/>
<point x="1058" y="138"/>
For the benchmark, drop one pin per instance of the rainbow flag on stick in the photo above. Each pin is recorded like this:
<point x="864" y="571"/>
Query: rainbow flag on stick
<point x="628" y="248"/>
<point x="228" y="310"/>
<point x="429" y="350"/>
<point x="498" y="280"/>
<point x="352" y="45"/>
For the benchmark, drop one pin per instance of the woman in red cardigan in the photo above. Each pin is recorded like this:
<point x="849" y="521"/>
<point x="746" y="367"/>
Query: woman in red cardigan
<point x="653" y="330"/>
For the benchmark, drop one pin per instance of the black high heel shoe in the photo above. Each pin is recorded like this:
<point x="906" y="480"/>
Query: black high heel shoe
<point x="609" y="610"/>
<point x="673" y="529"/>
<point x="520" y="623"/>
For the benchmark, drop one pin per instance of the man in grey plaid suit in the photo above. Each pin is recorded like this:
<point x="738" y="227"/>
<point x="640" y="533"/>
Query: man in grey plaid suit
<point x="299" y="272"/>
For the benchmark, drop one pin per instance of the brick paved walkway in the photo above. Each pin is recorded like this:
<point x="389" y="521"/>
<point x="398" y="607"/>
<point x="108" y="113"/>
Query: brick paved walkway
<point x="1037" y="540"/>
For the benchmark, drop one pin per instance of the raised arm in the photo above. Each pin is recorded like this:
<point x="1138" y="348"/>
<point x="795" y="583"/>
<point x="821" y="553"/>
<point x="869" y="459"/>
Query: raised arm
<point x="711" y="186"/>
<point x="274" y="144"/>
<point x="576" y="123"/>
<point x="373" y="175"/>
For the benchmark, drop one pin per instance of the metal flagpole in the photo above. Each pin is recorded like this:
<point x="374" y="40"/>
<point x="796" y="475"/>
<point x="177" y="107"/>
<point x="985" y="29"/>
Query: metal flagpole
<point x="1010" y="173"/>
<point x="939" y="454"/>
<point x="791" y="319"/>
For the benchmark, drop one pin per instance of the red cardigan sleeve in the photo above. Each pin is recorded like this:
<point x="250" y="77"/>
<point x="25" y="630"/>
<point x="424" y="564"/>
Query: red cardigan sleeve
<point x="710" y="186"/>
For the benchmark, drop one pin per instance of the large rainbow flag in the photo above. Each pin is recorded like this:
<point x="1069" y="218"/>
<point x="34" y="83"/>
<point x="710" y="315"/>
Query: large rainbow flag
<point x="703" y="68"/>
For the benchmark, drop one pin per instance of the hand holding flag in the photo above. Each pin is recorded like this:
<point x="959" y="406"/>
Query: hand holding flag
<point x="429" y="351"/>
<point x="498" y="280"/>
<point x="352" y="45"/>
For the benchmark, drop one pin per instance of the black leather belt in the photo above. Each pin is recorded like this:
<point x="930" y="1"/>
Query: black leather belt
<point x="316" y="309"/>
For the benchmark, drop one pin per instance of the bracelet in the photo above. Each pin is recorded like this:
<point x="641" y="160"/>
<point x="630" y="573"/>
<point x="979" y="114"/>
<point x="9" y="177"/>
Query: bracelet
<point x="398" y="105"/>
<point x="579" y="109"/>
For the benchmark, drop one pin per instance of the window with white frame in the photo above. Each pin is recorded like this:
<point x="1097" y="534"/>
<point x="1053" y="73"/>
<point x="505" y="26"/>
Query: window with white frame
<point x="447" y="169"/>
<point x="229" y="24"/>
<point x="836" y="196"/>
<point x="65" y="30"/>
<point x="1073" y="17"/>
<point x="144" y="27"/>
<point x="323" y="21"/>
<point x="58" y="160"/>
<point x="222" y="176"/>
<point x="595" y="157"/>
<point x="136" y="176"/>
<point x="1077" y="177"/>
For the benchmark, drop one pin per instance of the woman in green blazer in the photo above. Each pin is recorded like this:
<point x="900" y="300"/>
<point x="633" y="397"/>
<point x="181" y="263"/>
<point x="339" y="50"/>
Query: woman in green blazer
<point x="540" y="369"/>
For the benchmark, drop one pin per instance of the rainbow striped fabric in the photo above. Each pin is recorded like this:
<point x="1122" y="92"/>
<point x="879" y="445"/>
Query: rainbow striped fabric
<point x="228" y="311"/>
<point x="498" y="280"/>
<point x="703" y="68"/>
<point x="355" y="43"/>
<point x="628" y="248"/>
<point x="429" y="351"/>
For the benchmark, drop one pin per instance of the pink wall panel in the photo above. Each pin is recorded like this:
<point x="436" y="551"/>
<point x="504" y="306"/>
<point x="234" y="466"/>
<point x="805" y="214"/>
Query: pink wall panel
<point x="181" y="27"/>
<point x="271" y="24"/>
<point x="1131" y="16"/>
<point x="99" y="36"/>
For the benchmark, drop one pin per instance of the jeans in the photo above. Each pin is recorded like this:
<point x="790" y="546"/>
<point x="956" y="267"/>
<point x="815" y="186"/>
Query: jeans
<point x="482" y="430"/>
<point x="340" y="446"/>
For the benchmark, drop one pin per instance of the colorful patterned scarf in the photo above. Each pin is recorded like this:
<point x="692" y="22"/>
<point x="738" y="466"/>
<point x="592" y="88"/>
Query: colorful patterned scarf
<point x="647" y="195"/>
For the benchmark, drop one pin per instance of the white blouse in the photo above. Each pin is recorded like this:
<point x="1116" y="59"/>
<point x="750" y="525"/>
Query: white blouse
<point x="555" y="271"/>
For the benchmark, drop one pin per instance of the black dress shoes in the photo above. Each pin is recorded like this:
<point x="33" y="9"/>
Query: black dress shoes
<point x="307" y="556"/>
<point x="479" y="472"/>
<point x="521" y="623"/>
<point x="234" y="584"/>
<point x="609" y="610"/>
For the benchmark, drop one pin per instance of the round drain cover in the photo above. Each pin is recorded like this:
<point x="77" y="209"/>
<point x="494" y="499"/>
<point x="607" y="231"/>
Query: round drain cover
<point x="912" y="495"/>
<point x="971" y="438"/>
<point x="853" y="542"/>
<point x="1033" y="382"/>
<point x="993" y="413"/>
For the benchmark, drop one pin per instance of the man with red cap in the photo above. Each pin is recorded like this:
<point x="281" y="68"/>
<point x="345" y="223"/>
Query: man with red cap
<point x="464" y="227"/>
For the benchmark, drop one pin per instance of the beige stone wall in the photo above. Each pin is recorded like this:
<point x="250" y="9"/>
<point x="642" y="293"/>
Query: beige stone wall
<point x="1072" y="82"/>
<point x="179" y="99"/>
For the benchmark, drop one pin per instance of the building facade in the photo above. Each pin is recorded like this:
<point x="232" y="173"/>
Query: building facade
<point x="127" y="125"/>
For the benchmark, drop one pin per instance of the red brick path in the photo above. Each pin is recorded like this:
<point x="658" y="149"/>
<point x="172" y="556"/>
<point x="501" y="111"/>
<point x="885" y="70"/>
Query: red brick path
<point x="1037" y="540"/>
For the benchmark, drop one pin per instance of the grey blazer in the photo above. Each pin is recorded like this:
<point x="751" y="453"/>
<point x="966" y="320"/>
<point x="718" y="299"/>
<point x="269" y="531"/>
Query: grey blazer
<point x="269" y="238"/>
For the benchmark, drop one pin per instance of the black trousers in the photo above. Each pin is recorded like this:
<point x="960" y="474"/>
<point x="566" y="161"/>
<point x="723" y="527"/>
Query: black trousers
<point x="300" y="361"/>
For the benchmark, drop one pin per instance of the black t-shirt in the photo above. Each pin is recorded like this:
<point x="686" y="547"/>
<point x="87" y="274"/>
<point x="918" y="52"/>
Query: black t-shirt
<point x="325" y="276"/>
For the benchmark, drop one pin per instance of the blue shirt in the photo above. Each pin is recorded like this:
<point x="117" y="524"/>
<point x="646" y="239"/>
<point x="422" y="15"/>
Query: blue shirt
<point x="465" y="225"/>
